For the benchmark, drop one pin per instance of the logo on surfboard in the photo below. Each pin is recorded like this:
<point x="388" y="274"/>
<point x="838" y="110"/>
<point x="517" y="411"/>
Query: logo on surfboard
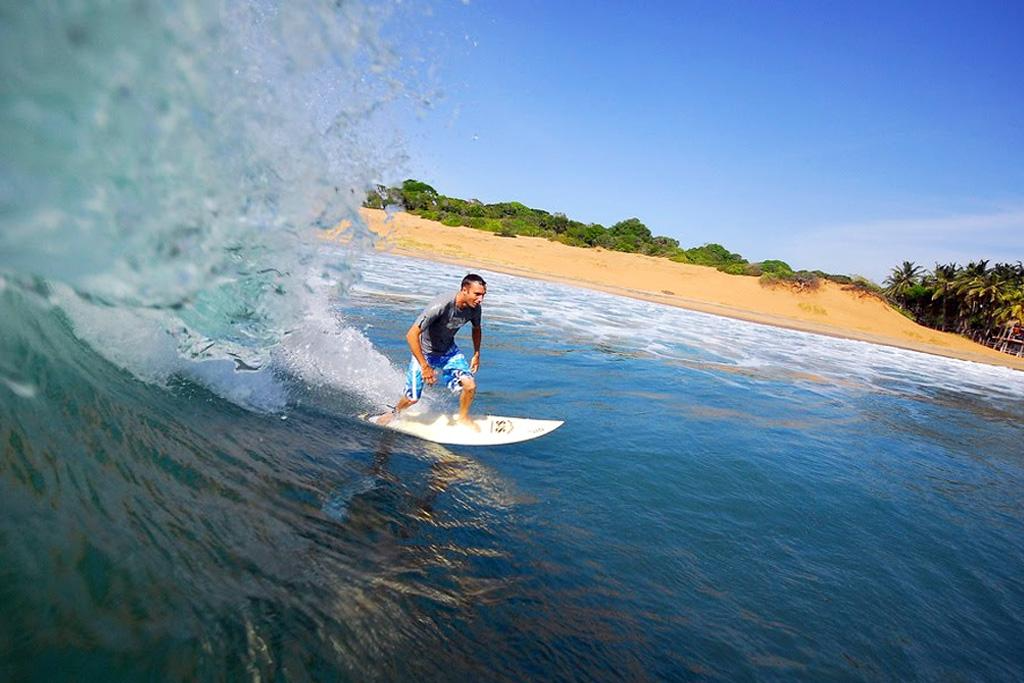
<point x="501" y="426"/>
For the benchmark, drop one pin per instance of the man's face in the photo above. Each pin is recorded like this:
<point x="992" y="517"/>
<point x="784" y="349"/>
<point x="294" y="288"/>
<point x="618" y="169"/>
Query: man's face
<point x="473" y="294"/>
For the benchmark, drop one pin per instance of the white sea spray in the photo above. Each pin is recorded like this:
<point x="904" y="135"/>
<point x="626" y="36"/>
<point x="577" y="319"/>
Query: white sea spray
<point x="169" y="167"/>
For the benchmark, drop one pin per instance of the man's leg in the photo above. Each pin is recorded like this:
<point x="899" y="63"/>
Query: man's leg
<point x="466" y="400"/>
<point x="413" y="391"/>
<point x="459" y="379"/>
<point x="402" y="404"/>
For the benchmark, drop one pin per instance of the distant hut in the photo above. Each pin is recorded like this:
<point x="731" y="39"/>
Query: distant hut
<point x="1011" y="340"/>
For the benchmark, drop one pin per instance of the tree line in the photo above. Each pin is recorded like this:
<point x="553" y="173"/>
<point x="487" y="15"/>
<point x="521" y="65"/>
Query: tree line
<point x="630" y="235"/>
<point x="975" y="300"/>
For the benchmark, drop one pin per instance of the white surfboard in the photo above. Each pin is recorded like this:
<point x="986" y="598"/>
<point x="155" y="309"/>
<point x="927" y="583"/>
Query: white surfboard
<point x="495" y="430"/>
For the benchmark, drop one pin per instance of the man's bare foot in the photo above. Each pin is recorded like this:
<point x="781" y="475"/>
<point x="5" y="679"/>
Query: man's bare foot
<point x="385" y="419"/>
<point x="468" y="422"/>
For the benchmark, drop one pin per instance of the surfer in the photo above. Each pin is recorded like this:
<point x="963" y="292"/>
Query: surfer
<point x="436" y="356"/>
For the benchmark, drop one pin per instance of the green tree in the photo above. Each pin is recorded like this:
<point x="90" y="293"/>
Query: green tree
<point x="631" y="227"/>
<point x="1012" y="304"/>
<point x="713" y="254"/>
<point x="901" y="280"/>
<point x="775" y="266"/>
<point x="625" y="242"/>
<point x="559" y="223"/>
<point x="944" y="288"/>
<point x="418" y="195"/>
<point x="589" y="234"/>
<point x="968" y="285"/>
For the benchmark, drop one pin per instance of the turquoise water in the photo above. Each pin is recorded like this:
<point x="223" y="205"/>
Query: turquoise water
<point x="726" y="500"/>
<point x="185" y="494"/>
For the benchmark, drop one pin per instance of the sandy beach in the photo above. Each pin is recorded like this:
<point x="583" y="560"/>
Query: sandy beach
<point x="828" y="310"/>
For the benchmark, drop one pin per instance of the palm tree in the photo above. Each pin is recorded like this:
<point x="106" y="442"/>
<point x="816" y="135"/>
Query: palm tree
<point x="902" y="279"/>
<point x="1009" y="302"/>
<point x="969" y="283"/>
<point x="980" y="300"/>
<point x="1011" y="305"/>
<point x="944" y="281"/>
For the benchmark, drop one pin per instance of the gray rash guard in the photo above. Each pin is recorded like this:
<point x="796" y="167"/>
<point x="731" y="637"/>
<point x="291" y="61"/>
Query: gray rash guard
<point x="439" y="322"/>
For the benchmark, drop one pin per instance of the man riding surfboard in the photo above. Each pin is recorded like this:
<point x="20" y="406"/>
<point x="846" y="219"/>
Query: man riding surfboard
<point x="436" y="356"/>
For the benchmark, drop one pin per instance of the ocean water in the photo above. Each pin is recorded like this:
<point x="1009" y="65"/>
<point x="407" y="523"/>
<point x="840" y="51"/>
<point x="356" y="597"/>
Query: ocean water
<point x="186" y="495"/>
<point x="726" y="500"/>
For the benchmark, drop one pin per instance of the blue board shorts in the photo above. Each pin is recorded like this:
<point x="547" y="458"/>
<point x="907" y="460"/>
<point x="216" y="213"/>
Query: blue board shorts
<point x="451" y="367"/>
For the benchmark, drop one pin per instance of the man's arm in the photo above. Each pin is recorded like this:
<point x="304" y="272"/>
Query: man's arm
<point x="412" y="338"/>
<point x="478" y="336"/>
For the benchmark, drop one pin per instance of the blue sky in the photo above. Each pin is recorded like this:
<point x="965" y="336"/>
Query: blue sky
<point x="842" y="136"/>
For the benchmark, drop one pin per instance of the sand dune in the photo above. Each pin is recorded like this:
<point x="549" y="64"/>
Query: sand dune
<point x="828" y="310"/>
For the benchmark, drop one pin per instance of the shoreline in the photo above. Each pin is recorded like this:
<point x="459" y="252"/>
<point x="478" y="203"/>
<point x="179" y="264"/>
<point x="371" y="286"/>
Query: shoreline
<point x="829" y="311"/>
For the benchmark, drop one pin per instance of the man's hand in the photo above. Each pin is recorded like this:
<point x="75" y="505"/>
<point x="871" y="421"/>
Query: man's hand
<point x="474" y="364"/>
<point x="429" y="374"/>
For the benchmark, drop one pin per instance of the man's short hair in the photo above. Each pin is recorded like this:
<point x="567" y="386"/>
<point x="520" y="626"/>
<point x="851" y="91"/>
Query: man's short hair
<point x="472" y="278"/>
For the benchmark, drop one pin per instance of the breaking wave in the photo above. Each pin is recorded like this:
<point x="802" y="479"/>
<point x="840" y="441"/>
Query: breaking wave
<point x="168" y="169"/>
